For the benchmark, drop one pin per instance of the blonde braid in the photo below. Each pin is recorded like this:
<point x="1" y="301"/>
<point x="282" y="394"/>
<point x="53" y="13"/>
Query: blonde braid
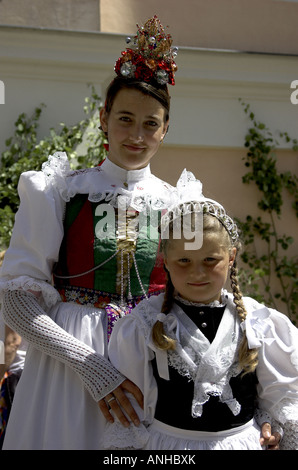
<point x="160" y="339"/>
<point x="248" y="358"/>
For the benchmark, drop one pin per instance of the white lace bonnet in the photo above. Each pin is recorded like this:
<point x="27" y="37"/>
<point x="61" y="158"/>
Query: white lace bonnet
<point x="188" y="198"/>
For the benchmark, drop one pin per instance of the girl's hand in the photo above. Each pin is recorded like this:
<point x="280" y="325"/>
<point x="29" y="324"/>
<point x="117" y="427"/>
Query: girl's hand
<point x="119" y="403"/>
<point x="271" y="440"/>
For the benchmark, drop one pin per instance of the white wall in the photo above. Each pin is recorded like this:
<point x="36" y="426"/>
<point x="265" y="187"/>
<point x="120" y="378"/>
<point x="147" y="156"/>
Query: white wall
<point x="54" y="67"/>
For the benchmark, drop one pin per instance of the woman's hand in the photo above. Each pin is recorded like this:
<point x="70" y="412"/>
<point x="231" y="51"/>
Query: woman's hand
<point x="119" y="403"/>
<point x="269" y="439"/>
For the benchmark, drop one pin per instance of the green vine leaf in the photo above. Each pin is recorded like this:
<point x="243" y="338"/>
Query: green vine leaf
<point x="263" y="172"/>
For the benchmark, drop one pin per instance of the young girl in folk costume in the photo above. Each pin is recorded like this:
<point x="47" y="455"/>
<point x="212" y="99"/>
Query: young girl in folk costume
<point x="67" y="227"/>
<point x="213" y="366"/>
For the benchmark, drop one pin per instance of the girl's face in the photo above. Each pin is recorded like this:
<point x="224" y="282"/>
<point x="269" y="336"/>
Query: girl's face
<point x="199" y="275"/>
<point x="135" y="126"/>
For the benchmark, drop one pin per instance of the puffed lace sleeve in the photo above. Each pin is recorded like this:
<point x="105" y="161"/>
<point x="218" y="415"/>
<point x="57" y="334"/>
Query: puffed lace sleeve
<point x="277" y="371"/>
<point x="130" y="354"/>
<point x="38" y="230"/>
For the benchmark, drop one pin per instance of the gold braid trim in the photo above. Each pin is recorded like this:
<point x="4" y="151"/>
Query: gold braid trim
<point x="126" y="244"/>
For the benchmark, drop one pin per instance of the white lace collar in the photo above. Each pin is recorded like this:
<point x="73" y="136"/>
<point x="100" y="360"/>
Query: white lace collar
<point x="139" y="188"/>
<point x="215" y="303"/>
<point x="210" y="366"/>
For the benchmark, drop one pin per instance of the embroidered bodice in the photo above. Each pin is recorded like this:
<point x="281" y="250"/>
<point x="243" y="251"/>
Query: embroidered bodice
<point x="110" y="247"/>
<point x="126" y="266"/>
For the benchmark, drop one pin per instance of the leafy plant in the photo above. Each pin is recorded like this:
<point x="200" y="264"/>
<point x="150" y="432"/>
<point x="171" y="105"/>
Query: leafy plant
<point x="82" y="142"/>
<point x="274" y="262"/>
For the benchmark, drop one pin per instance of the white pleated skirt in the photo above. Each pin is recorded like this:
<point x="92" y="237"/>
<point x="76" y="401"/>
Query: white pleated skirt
<point x="164" y="437"/>
<point x="52" y="410"/>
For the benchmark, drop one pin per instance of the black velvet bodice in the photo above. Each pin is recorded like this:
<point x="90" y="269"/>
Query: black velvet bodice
<point x="175" y="396"/>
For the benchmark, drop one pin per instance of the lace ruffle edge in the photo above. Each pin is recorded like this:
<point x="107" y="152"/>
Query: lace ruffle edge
<point x="57" y="169"/>
<point x="118" y="437"/>
<point x="214" y="304"/>
<point x="49" y="294"/>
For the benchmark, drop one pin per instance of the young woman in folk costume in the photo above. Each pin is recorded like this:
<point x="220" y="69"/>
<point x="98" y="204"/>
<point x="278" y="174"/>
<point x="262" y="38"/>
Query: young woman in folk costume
<point x="78" y="228"/>
<point x="232" y="362"/>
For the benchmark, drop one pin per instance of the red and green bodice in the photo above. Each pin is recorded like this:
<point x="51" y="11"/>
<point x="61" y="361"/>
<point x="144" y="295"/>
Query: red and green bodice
<point x="103" y="261"/>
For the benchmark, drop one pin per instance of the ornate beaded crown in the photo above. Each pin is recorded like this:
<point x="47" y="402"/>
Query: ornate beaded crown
<point x="150" y="55"/>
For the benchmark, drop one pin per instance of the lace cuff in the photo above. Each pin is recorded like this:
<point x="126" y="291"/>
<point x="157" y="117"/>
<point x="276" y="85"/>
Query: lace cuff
<point x="23" y="314"/>
<point x="118" y="437"/>
<point x="262" y="416"/>
<point x="26" y="283"/>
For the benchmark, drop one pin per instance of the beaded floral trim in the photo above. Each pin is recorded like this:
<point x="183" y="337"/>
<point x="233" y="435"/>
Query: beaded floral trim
<point x="98" y="299"/>
<point x="95" y="298"/>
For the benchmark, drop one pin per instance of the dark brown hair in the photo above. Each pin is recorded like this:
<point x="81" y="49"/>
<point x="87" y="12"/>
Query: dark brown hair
<point x="159" y="92"/>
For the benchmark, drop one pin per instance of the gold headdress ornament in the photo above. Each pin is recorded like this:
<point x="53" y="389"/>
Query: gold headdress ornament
<point x="150" y="56"/>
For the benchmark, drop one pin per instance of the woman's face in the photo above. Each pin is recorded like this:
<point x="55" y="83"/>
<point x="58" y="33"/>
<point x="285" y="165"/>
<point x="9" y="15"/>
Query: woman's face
<point x="135" y="125"/>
